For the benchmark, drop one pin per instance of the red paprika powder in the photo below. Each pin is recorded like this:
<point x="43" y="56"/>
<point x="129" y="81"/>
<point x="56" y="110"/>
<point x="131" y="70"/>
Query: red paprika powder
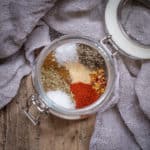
<point x="84" y="94"/>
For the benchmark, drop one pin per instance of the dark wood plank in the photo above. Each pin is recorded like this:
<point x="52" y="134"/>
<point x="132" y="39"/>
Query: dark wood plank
<point x="62" y="134"/>
<point x="2" y="129"/>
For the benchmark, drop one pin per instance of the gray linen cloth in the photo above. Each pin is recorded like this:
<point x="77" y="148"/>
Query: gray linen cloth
<point x="26" y="26"/>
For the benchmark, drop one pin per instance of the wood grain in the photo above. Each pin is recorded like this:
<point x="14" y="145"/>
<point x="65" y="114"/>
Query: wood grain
<point x="18" y="133"/>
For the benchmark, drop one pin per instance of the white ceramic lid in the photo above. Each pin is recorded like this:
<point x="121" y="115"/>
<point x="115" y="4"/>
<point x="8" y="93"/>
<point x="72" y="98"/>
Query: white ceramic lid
<point x="124" y="43"/>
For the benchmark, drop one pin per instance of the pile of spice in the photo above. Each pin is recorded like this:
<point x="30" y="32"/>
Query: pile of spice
<point x="78" y="72"/>
<point x="98" y="81"/>
<point x="90" y="57"/>
<point x="61" y="99"/>
<point x="54" y="76"/>
<point x="84" y="94"/>
<point x="73" y="75"/>
<point x="70" y="54"/>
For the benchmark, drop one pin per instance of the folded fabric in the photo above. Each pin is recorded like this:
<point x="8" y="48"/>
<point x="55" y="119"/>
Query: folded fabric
<point x="17" y="20"/>
<point x="124" y="123"/>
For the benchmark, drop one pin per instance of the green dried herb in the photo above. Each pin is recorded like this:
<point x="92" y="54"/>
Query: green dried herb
<point x="90" y="57"/>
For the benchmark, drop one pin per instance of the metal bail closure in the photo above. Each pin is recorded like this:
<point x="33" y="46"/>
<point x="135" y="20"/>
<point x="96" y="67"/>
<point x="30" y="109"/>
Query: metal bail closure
<point x="108" y="43"/>
<point x="34" y="109"/>
<point x="125" y="44"/>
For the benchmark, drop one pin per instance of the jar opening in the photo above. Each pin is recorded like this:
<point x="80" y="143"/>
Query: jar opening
<point x="75" y="74"/>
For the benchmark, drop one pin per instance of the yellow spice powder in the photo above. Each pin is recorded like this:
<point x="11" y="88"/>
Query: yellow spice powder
<point x="78" y="72"/>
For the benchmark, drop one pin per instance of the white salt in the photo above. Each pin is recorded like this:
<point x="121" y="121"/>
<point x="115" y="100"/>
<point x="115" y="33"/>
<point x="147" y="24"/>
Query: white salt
<point x="61" y="98"/>
<point x="66" y="53"/>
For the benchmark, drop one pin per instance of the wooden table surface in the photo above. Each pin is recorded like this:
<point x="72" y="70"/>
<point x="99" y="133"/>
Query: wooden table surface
<point x="18" y="133"/>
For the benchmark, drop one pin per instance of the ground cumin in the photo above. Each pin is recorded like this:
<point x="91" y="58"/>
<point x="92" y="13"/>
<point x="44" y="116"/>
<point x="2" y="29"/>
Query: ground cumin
<point x="54" y="76"/>
<point x="50" y="62"/>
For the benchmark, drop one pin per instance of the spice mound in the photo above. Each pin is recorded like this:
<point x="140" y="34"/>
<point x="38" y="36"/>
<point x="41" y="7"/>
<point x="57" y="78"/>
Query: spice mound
<point x="84" y="94"/>
<point x="73" y="75"/>
<point x="61" y="99"/>
<point x="78" y="72"/>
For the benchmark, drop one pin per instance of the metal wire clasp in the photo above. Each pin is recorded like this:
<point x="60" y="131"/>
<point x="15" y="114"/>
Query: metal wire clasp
<point x="34" y="109"/>
<point x="112" y="46"/>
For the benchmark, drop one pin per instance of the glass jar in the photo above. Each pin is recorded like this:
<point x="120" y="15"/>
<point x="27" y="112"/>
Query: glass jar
<point x="116" y="38"/>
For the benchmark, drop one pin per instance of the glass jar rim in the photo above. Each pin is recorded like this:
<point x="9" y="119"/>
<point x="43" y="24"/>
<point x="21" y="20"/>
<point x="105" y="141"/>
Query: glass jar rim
<point x="109" y="65"/>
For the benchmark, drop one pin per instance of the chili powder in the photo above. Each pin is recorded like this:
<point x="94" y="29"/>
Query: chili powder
<point x="84" y="94"/>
